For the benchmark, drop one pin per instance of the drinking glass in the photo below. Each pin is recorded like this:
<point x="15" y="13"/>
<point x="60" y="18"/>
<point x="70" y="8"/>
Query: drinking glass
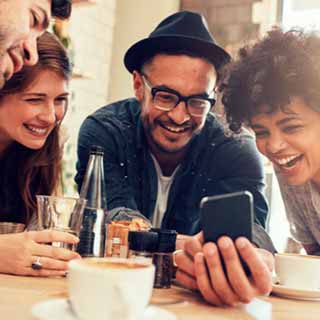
<point x="61" y="214"/>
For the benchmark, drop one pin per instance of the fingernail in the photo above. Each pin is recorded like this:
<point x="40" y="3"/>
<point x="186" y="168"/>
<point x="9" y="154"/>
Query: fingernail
<point x="211" y="252"/>
<point x="224" y="243"/>
<point x="241" y="243"/>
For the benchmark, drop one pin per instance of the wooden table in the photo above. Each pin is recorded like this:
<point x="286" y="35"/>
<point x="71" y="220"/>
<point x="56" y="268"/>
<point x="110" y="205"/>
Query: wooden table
<point x="18" y="294"/>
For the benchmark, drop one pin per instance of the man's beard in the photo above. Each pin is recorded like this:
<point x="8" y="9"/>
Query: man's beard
<point x="148" y="130"/>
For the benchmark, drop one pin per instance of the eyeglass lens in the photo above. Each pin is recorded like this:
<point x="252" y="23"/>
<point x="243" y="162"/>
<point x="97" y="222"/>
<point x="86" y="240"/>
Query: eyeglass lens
<point x="167" y="101"/>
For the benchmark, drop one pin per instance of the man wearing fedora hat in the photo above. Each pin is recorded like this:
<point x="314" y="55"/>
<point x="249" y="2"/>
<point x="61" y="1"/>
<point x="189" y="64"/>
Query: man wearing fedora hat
<point x="165" y="150"/>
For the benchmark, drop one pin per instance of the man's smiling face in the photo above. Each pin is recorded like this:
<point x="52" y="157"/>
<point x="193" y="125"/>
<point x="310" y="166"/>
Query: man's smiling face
<point x="171" y="131"/>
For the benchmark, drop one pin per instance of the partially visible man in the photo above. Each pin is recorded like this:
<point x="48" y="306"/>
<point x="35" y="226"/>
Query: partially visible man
<point x="164" y="151"/>
<point x="21" y="22"/>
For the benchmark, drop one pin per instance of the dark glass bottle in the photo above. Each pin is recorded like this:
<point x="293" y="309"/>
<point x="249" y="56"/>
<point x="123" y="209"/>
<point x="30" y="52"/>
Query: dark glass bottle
<point x="92" y="233"/>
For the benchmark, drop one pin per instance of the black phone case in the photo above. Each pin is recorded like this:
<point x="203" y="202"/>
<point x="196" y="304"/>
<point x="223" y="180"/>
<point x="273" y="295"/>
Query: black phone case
<point x="227" y="215"/>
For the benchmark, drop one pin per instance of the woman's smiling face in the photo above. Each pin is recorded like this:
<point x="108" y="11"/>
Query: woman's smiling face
<point x="28" y="117"/>
<point x="290" y="139"/>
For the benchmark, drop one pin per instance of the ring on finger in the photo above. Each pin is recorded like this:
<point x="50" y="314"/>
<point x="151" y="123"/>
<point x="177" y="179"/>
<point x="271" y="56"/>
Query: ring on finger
<point x="174" y="255"/>
<point x="37" y="265"/>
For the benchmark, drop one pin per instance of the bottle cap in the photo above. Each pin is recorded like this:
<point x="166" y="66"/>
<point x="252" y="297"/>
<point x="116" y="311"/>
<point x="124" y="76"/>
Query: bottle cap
<point x="166" y="239"/>
<point x="143" y="241"/>
<point x="96" y="150"/>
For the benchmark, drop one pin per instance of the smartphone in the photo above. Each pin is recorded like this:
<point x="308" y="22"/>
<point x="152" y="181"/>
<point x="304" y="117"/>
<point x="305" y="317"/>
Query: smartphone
<point x="227" y="215"/>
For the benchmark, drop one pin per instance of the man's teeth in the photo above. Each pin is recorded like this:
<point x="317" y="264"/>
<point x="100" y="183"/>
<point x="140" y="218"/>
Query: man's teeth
<point x="37" y="130"/>
<point x="175" y="129"/>
<point x="285" y="161"/>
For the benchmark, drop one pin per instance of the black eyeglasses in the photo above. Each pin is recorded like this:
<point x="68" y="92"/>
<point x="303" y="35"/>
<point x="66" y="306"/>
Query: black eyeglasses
<point x="166" y="99"/>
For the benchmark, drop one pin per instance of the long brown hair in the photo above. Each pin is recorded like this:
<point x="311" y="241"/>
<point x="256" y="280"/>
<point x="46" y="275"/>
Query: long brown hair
<point x="26" y="172"/>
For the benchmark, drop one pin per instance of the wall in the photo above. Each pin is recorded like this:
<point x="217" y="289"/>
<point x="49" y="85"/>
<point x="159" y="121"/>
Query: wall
<point x="265" y="21"/>
<point x="236" y="22"/>
<point x="91" y="30"/>
<point x="134" y="21"/>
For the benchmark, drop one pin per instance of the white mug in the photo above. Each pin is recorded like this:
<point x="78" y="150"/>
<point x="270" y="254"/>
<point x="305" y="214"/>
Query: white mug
<point x="110" y="288"/>
<point x="298" y="271"/>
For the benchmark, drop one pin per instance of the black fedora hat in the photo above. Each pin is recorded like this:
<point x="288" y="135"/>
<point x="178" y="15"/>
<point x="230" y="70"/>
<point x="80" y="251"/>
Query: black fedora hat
<point x="182" y="31"/>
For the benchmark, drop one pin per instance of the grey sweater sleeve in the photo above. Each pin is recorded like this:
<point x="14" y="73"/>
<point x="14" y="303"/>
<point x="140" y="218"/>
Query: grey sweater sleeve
<point x="261" y="239"/>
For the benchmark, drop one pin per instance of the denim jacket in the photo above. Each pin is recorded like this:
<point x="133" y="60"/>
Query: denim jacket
<point x="214" y="164"/>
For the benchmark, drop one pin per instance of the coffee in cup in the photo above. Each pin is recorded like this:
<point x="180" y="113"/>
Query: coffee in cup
<point x="298" y="271"/>
<point x="110" y="288"/>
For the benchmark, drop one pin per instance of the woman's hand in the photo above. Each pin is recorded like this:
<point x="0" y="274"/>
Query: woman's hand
<point x="18" y="251"/>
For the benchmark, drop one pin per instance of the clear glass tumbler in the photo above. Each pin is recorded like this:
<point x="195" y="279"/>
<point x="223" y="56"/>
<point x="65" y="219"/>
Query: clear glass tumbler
<point x="61" y="214"/>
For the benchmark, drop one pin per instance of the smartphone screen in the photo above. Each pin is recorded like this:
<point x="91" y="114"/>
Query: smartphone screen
<point x="227" y="215"/>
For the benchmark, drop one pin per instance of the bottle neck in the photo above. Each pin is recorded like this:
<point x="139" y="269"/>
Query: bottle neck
<point x="93" y="187"/>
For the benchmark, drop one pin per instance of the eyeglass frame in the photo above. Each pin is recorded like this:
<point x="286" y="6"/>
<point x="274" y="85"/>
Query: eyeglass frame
<point x="155" y="89"/>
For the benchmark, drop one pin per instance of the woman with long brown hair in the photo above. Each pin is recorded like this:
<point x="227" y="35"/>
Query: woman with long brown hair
<point x="32" y="105"/>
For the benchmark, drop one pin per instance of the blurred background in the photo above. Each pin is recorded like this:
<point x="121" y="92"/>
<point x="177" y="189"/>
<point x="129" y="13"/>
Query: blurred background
<point x="100" y="31"/>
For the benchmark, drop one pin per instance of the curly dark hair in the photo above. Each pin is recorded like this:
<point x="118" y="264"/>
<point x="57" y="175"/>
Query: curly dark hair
<point x="268" y="74"/>
<point x="61" y="8"/>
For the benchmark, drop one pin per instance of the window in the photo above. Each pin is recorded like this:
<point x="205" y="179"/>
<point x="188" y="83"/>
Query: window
<point x="301" y="14"/>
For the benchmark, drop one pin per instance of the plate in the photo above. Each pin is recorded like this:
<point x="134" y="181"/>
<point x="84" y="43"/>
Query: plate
<point x="59" y="309"/>
<point x="292" y="293"/>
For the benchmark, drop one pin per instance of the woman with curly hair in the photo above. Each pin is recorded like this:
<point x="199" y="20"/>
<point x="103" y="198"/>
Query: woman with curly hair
<point x="274" y="89"/>
<point x="32" y="105"/>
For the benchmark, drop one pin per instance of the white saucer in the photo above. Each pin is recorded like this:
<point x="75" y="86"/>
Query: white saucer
<point x="292" y="293"/>
<point x="58" y="309"/>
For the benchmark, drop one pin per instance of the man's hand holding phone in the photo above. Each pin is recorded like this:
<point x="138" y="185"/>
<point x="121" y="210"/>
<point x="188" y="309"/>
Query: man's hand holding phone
<point x="200" y="267"/>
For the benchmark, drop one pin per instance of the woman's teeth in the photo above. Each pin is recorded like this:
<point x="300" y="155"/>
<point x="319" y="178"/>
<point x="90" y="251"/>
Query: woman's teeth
<point x="36" y="129"/>
<point x="288" y="161"/>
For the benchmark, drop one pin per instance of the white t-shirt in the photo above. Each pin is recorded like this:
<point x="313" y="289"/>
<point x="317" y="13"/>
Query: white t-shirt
<point x="164" y="185"/>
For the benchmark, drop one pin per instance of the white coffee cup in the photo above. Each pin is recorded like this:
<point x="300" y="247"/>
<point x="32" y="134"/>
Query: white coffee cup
<point x="110" y="288"/>
<point x="298" y="271"/>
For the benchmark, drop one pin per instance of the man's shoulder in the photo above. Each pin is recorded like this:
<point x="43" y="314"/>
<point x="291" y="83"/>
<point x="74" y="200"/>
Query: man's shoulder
<point x="115" y="119"/>
<point x="218" y="135"/>
<point x="226" y="152"/>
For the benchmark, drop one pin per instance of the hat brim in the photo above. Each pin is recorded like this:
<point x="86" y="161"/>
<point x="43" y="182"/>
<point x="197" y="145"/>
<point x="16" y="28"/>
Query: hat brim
<point x="141" y="51"/>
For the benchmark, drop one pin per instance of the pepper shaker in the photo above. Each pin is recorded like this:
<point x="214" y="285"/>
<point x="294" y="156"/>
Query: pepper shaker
<point x="142" y="244"/>
<point x="163" y="257"/>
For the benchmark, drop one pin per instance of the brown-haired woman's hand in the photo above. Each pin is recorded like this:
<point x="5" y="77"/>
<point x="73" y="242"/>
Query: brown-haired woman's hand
<point x="28" y="253"/>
